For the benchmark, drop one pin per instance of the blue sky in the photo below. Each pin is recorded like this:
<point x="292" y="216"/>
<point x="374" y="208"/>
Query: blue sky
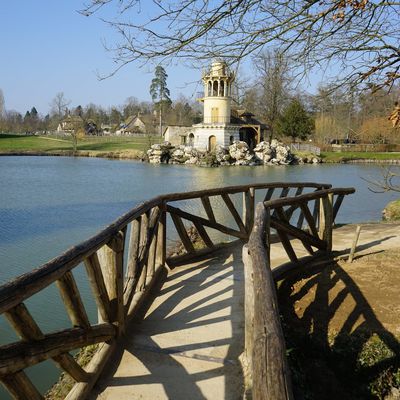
<point x="47" y="47"/>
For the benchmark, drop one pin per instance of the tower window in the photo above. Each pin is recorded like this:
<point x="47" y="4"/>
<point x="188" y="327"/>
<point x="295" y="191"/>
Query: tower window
<point x="215" y="88"/>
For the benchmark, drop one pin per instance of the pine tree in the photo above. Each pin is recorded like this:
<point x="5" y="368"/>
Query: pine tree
<point x="159" y="91"/>
<point x="295" y="121"/>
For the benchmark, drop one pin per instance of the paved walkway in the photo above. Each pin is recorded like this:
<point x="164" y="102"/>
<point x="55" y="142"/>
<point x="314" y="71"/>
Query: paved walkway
<point x="188" y="344"/>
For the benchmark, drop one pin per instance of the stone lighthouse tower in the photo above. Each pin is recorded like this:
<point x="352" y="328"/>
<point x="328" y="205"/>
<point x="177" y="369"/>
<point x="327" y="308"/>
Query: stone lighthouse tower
<point x="217" y="94"/>
<point x="216" y="127"/>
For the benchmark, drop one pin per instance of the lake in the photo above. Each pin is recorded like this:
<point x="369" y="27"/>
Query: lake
<point x="48" y="204"/>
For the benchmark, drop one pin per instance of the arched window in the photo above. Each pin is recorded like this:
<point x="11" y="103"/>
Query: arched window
<point x="231" y="139"/>
<point x="209" y="89"/>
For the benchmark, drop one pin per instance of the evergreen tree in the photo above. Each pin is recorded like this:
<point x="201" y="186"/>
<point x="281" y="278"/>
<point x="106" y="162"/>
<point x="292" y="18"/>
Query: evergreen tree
<point x="295" y="121"/>
<point x="159" y="91"/>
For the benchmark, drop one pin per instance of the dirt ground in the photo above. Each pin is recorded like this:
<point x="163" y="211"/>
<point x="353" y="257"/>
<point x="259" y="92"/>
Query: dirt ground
<point x="342" y="325"/>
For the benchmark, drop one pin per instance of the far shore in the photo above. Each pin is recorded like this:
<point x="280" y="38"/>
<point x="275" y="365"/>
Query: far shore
<point x="132" y="154"/>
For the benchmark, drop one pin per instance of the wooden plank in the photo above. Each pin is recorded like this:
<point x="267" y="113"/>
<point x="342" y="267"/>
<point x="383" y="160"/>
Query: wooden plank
<point x="284" y="192"/>
<point x="71" y="367"/>
<point x="21" y="387"/>
<point x="180" y="228"/>
<point x="269" y="194"/>
<point x="309" y="218"/>
<point x="338" y="203"/>
<point x="298" y="233"/>
<point x="289" y="212"/>
<point x="327" y="203"/>
<point x="287" y="245"/>
<point x="26" y="327"/>
<point x="72" y="300"/>
<point x="248" y="209"/>
<point x="203" y="234"/>
<point x="17" y="356"/>
<point x="270" y="371"/>
<point x="248" y="314"/>
<point x="206" y="222"/>
<point x="93" y="270"/>
<point x="300" y="221"/>
<point x="316" y="212"/>
<point x="233" y="211"/>
<point x="111" y="261"/>
<point x="96" y="365"/>
<point x="133" y="251"/>
<point x="162" y="239"/>
<point x="151" y="262"/>
<point x="205" y="200"/>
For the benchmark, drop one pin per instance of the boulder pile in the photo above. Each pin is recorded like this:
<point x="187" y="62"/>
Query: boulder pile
<point x="238" y="153"/>
<point x="160" y="153"/>
<point x="275" y="153"/>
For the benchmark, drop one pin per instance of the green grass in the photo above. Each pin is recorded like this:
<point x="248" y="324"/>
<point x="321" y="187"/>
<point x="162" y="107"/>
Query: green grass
<point x="9" y="143"/>
<point x="358" y="155"/>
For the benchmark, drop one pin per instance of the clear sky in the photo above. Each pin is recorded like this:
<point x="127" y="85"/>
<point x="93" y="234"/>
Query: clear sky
<point x="47" y="47"/>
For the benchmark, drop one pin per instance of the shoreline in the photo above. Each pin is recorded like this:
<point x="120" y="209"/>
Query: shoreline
<point x="119" y="154"/>
<point x="141" y="156"/>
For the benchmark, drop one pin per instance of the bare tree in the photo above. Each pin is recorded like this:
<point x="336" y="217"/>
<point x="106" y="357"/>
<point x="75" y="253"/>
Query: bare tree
<point x="390" y="181"/>
<point x="2" y="107"/>
<point x="59" y="104"/>
<point x="362" y="35"/>
<point x="275" y="82"/>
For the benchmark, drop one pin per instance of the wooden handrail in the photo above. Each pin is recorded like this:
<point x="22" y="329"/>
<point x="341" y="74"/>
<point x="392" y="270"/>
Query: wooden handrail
<point x="118" y="297"/>
<point x="265" y="350"/>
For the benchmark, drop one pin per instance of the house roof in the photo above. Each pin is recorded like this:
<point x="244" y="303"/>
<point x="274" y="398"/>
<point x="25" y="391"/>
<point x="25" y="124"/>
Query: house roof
<point x="244" y="117"/>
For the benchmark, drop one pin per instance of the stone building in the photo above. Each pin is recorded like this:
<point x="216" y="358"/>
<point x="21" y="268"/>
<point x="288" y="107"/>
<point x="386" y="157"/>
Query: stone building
<point x="222" y="123"/>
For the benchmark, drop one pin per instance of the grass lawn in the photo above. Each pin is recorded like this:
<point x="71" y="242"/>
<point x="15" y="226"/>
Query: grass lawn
<point x="333" y="156"/>
<point x="49" y="143"/>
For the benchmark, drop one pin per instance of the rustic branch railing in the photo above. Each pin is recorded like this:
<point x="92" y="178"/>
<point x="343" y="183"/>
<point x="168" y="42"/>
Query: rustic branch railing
<point x="120" y="280"/>
<point x="265" y="350"/>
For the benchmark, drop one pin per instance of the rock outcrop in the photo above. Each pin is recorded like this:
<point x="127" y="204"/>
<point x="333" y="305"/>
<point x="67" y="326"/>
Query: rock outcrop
<point x="160" y="153"/>
<point x="238" y="153"/>
<point x="274" y="153"/>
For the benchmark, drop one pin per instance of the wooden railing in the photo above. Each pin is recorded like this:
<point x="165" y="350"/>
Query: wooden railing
<point x="265" y="351"/>
<point x="122" y="262"/>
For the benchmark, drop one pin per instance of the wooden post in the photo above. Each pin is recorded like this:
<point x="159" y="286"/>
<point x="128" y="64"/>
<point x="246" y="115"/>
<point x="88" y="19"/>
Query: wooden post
<point x="93" y="270"/>
<point x="161" y="253"/>
<point x="326" y="220"/>
<point x="20" y="386"/>
<point x="248" y="209"/>
<point x="248" y="314"/>
<point x="354" y="244"/>
<point x="112" y="264"/>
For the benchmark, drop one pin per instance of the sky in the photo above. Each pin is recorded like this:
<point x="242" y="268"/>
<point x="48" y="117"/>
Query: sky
<point x="47" y="47"/>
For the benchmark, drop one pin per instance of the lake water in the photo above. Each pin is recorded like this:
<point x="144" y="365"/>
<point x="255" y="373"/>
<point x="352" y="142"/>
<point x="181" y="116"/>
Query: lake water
<point x="48" y="204"/>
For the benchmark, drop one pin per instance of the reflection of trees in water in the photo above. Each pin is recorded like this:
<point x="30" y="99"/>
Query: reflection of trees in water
<point x="361" y="358"/>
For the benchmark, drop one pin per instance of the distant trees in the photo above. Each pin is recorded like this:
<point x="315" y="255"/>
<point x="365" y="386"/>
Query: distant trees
<point x="159" y="92"/>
